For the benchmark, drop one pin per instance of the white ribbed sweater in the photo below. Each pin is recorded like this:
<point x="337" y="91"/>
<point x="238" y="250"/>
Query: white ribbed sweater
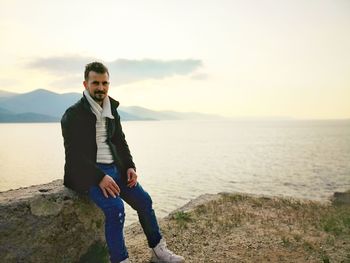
<point x="104" y="154"/>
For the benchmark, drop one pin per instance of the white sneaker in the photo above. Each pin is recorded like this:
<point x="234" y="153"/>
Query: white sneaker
<point x="161" y="254"/>
<point x="125" y="261"/>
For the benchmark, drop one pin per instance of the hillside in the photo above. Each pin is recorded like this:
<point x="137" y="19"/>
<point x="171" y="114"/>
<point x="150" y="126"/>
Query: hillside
<point x="232" y="227"/>
<point x="45" y="106"/>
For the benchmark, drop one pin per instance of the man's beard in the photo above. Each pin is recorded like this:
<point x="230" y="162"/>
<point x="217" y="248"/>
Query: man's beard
<point x="97" y="96"/>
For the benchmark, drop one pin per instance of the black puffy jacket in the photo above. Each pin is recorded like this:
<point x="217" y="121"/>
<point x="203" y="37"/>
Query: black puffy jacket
<point x="78" y="125"/>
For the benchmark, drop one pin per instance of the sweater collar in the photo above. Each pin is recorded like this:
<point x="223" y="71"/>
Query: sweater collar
<point x="99" y="111"/>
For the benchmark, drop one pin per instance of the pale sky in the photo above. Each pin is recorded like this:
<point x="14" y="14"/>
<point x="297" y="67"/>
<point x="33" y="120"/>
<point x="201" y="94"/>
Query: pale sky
<point x="245" y="58"/>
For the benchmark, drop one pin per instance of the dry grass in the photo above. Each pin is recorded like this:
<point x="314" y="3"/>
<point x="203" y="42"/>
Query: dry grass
<point x="246" y="228"/>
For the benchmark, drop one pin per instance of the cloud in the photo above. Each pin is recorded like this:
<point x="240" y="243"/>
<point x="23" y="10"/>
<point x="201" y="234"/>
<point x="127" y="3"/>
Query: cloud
<point x="125" y="70"/>
<point x="68" y="70"/>
<point x="60" y="65"/>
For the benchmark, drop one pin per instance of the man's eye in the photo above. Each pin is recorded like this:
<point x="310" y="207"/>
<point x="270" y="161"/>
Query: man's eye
<point x="95" y="82"/>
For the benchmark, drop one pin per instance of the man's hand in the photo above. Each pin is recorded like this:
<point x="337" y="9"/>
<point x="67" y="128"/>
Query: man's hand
<point x="132" y="177"/>
<point x="107" y="184"/>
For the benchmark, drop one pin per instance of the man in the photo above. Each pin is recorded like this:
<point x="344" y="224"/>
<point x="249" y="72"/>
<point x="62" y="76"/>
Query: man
<point x="99" y="164"/>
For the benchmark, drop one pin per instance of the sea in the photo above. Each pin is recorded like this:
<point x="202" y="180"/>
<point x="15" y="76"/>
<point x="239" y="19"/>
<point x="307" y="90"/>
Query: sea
<point x="178" y="160"/>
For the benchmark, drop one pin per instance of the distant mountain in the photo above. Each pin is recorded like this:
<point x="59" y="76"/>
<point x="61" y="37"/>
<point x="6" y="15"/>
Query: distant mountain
<point x="145" y="113"/>
<point x="40" y="101"/>
<point x="46" y="106"/>
<point x="8" y="116"/>
<point x="167" y="115"/>
<point x="4" y="111"/>
<point x="125" y="116"/>
<point x="6" y="94"/>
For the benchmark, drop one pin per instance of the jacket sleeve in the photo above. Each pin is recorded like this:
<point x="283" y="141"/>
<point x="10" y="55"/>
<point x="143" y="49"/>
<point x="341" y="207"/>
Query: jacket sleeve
<point x="76" y="158"/>
<point x="119" y="141"/>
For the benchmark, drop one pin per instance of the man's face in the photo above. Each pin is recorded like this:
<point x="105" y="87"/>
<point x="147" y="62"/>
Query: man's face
<point x="97" y="85"/>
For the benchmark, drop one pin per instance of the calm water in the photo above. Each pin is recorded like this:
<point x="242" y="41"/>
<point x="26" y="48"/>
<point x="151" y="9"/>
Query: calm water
<point x="179" y="160"/>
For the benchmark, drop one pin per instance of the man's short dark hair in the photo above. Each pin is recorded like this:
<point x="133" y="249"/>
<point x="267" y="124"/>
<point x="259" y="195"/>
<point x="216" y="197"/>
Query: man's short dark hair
<point x="95" y="66"/>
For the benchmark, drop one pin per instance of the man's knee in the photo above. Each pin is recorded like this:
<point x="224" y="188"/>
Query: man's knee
<point x="115" y="208"/>
<point x="145" y="202"/>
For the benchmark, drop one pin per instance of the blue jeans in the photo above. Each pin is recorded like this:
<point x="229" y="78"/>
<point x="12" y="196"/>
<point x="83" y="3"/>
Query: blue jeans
<point x="113" y="209"/>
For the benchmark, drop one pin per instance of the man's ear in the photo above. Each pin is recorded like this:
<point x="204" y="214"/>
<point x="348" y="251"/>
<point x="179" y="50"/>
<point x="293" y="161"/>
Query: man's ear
<point x="85" y="84"/>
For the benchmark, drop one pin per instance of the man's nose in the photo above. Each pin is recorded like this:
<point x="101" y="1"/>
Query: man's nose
<point x="100" y="86"/>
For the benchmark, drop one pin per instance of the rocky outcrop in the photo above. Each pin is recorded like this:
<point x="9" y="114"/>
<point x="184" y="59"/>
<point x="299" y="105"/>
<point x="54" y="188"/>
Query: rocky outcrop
<point x="50" y="223"/>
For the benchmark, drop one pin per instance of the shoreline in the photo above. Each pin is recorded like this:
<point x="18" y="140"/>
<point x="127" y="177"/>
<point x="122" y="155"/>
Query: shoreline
<point x="223" y="227"/>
